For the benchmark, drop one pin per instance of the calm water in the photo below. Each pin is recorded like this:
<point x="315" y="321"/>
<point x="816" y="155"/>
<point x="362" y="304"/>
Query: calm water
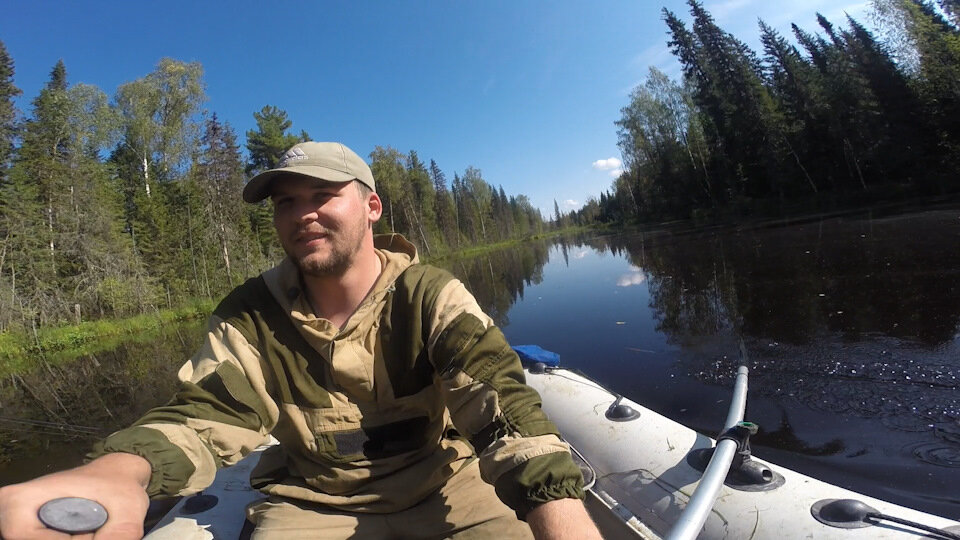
<point x="852" y="326"/>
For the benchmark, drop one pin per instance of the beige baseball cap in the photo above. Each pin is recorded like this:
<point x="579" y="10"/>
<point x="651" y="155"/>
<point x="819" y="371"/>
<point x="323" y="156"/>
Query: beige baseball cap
<point x="328" y="161"/>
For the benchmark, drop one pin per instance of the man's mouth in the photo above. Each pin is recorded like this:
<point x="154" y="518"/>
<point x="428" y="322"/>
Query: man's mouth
<point x="310" y="238"/>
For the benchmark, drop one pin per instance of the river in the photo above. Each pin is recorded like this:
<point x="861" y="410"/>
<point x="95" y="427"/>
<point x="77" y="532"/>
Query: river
<point x="851" y="324"/>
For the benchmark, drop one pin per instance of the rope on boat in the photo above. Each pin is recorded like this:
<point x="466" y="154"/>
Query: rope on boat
<point x="46" y="427"/>
<point x="886" y="517"/>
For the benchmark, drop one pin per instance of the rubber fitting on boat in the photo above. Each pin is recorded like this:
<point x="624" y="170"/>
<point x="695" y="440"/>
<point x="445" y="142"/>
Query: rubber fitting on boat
<point x="842" y="513"/>
<point x="756" y="473"/>
<point x="619" y="412"/>
<point x="538" y="368"/>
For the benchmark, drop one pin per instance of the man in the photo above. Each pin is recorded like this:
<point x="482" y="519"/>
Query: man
<point x="390" y="391"/>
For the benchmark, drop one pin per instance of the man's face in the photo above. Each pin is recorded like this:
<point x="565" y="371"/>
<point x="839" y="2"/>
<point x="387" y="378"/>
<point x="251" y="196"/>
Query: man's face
<point x="321" y="225"/>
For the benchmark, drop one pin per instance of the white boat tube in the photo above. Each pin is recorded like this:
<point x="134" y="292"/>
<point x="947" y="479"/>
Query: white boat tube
<point x="643" y="469"/>
<point x="691" y="521"/>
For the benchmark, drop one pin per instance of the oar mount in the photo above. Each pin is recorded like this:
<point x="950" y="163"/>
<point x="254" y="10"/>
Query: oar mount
<point x="621" y="412"/>
<point x="745" y="474"/>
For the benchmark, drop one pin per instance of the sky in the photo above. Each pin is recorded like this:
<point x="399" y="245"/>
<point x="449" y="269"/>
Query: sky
<point x="526" y="91"/>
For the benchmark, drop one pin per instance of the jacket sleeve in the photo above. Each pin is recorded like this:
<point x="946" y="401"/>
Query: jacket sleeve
<point x="520" y="450"/>
<point x="220" y="413"/>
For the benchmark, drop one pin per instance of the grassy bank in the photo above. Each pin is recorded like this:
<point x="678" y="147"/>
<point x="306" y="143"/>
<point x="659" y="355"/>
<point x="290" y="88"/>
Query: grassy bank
<point x="20" y="353"/>
<point x="473" y="251"/>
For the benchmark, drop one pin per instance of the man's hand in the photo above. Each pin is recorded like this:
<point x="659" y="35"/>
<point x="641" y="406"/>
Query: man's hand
<point x="562" y="519"/>
<point x="116" y="481"/>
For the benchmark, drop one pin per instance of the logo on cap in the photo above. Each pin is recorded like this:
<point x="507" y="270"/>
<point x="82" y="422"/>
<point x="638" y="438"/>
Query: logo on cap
<point x="292" y="154"/>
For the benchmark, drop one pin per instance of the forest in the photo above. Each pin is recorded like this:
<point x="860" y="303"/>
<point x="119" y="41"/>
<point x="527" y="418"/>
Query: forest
<point x="124" y="205"/>
<point x="834" y="118"/>
<point x="112" y="207"/>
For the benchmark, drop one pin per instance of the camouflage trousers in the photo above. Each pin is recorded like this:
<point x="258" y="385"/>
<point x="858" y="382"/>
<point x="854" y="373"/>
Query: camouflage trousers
<point x="464" y="508"/>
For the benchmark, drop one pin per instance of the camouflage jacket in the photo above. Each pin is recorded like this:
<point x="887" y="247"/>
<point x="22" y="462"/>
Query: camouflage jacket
<point x="371" y="417"/>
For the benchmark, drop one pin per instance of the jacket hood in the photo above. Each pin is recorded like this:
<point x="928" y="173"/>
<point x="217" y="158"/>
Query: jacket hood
<point x="396" y="254"/>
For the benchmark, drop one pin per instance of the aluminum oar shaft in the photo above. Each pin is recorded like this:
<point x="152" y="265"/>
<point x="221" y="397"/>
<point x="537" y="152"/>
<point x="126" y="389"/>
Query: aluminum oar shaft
<point x="698" y="509"/>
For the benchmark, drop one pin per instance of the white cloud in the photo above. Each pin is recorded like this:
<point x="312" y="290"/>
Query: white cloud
<point x="636" y="277"/>
<point x="616" y="173"/>
<point x="571" y="204"/>
<point x="607" y="164"/>
<point x="580" y="254"/>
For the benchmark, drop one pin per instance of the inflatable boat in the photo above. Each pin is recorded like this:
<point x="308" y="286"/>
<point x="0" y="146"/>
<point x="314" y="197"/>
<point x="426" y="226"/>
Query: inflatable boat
<point x="647" y="476"/>
<point x="647" y="470"/>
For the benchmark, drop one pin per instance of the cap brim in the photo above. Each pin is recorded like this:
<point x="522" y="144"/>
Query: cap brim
<point x="259" y="187"/>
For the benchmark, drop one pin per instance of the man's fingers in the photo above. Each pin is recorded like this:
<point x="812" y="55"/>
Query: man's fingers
<point x="24" y="529"/>
<point x="125" y="523"/>
<point x="120" y="530"/>
<point x="115" y="482"/>
<point x="23" y="522"/>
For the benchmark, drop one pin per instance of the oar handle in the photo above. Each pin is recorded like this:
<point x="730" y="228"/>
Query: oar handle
<point x="72" y="515"/>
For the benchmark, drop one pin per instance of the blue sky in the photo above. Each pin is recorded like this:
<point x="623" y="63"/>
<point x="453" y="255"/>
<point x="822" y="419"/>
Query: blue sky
<point x="526" y="91"/>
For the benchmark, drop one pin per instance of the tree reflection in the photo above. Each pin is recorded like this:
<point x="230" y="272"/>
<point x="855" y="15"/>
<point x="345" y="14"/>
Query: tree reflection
<point x="852" y="316"/>
<point x="497" y="278"/>
<point x="785" y="438"/>
<point x="856" y="278"/>
<point x="69" y="406"/>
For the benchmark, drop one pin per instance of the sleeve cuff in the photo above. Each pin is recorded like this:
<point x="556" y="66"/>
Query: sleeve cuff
<point x="538" y="480"/>
<point x="170" y="468"/>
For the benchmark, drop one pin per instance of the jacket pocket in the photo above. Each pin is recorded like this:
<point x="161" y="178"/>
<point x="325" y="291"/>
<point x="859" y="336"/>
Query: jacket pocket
<point x="343" y="437"/>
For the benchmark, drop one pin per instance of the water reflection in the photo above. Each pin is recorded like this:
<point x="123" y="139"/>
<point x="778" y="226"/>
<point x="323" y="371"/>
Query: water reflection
<point x="897" y="277"/>
<point x="856" y="316"/>
<point x="498" y="278"/>
<point x="786" y="438"/>
<point x="51" y="416"/>
<point x="853" y="332"/>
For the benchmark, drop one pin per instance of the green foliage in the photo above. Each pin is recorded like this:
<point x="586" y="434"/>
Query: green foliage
<point x="21" y="353"/>
<point x="270" y="140"/>
<point x="161" y="221"/>
<point x="418" y="204"/>
<point x="219" y="173"/>
<point x="850" y="118"/>
<point x="8" y="111"/>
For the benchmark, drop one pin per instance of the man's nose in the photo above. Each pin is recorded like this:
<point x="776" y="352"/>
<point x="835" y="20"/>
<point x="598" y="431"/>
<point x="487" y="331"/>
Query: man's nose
<point x="305" y="213"/>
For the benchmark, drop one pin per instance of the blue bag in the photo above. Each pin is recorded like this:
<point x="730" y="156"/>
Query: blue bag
<point x="531" y="354"/>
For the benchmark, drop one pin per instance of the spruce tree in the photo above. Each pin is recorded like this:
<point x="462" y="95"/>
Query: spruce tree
<point x="219" y="172"/>
<point x="937" y="42"/>
<point x="444" y="207"/>
<point x="8" y="111"/>
<point x="952" y="9"/>
<point x="797" y="88"/>
<point x="270" y="140"/>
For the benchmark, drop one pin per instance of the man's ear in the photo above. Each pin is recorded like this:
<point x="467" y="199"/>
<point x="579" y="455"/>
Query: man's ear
<point x="374" y="207"/>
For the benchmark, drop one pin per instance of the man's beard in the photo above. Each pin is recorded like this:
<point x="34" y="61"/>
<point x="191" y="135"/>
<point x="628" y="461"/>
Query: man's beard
<point x="335" y="265"/>
<point x="343" y="251"/>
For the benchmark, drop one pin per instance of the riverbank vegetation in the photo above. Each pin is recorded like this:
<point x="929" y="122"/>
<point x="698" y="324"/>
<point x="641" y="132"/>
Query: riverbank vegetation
<point x="829" y="119"/>
<point x="114" y="207"/>
<point x="22" y="352"/>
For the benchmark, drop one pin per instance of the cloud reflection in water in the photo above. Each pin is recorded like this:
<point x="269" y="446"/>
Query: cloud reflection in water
<point x="635" y="277"/>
